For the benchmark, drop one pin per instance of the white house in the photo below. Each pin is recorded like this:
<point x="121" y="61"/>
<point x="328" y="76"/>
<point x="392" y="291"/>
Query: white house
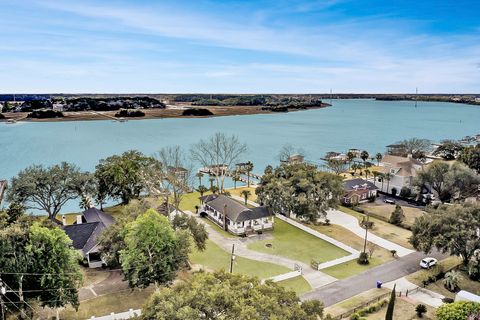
<point x="402" y="172"/>
<point x="234" y="217"/>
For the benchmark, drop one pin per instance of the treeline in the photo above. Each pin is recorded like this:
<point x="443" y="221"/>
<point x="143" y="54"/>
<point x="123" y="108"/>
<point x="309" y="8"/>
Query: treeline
<point x="87" y="104"/>
<point x="431" y="98"/>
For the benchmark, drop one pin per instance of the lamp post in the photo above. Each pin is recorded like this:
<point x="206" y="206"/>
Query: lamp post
<point x="366" y="233"/>
<point x="232" y="258"/>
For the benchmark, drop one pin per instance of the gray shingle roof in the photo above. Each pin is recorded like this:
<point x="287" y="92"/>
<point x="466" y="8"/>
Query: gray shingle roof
<point x="235" y="211"/>
<point x="350" y="185"/>
<point x="95" y="215"/>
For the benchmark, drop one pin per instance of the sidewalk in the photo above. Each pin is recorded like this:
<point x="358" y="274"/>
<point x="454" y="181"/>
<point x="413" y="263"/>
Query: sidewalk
<point x="351" y="223"/>
<point x="422" y="295"/>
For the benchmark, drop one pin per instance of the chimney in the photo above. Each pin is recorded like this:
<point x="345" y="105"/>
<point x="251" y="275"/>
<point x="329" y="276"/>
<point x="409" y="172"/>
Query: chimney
<point x="79" y="219"/>
<point x="64" y="220"/>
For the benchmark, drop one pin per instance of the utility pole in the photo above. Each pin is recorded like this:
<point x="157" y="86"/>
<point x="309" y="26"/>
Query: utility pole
<point x="232" y="258"/>
<point x="366" y="233"/>
<point x="3" y="291"/>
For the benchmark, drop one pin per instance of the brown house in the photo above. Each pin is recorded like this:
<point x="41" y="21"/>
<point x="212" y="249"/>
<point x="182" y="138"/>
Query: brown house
<point x="358" y="191"/>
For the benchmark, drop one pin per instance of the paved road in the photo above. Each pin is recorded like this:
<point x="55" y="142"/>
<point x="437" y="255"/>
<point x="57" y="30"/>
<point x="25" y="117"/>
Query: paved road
<point x="347" y="288"/>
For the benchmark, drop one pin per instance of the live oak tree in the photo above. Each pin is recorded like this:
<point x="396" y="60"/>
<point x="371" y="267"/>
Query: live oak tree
<point x="448" y="180"/>
<point x="153" y="251"/>
<point x="39" y="263"/>
<point x="448" y="149"/>
<point x="222" y="295"/>
<point x="48" y="188"/>
<point x="121" y="176"/>
<point x="197" y="230"/>
<point x="450" y="229"/>
<point x="219" y="152"/>
<point x="300" y="189"/>
<point x="416" y="147"/>
<point x="337" y="166"/>
<point x="471" y="157"/>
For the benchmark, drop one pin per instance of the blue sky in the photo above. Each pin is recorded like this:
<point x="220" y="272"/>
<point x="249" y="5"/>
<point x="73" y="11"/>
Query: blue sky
<point x="281" y="46"/>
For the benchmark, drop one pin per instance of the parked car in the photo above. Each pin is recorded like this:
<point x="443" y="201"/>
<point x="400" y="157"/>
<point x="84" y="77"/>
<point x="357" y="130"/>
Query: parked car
<point x="389" y="201"/>
<point x="428" y="262"/>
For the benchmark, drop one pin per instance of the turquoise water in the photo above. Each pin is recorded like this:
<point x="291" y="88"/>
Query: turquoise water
<point x="361" y="124"/>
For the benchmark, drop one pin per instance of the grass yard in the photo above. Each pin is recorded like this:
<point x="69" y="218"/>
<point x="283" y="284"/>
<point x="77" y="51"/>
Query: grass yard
<point x="384" y="229"/>
<point x="236" y="192"/>
<point x="445" y="265"/>
<point x="465" y="283"/>
<point x="297" y="284"/>
<point x="351" y="268"/>
<point x="215" y="258"/>
<point x="347" y="305"/>
<point x="293" y="243"/>
<point x="405" y="310"/>
<point x="104" y="305"/>
<point x="385" y="210"/>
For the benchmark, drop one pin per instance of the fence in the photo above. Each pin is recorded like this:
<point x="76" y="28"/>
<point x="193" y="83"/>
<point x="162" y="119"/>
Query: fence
<point x="119" y="316"/>
<point x="375" y="300"/>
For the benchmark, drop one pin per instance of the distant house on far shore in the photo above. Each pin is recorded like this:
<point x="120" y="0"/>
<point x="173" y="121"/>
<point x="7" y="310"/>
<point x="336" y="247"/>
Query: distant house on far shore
<point x="85" y="233"/>
<point x="294" y="159"/>
<point x="358" y="191"/>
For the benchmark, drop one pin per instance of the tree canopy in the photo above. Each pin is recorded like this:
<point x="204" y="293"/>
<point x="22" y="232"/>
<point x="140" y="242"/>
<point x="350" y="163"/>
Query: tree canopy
<point x="448" y="149"/>
<point x="300" y="189"/>
<point x="459" y="310"/>
<point x="471" y="157"/>
<point x="121" y="176"/>
<point x="219" y="152"/>
<point x="450" y="229"/>
<point x="153" y="251"/>
<point x="418" y="148"/>
<point x="39" y="263"/>
<point x="48" y="189"/>
<point x="228" y="296"/>
<point x="448" y="181"/>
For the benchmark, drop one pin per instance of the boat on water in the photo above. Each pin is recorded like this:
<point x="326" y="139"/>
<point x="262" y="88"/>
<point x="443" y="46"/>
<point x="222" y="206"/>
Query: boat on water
<point x="10" y="121"/>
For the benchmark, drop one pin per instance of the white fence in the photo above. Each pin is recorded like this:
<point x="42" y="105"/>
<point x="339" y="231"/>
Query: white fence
<point x="119" y="316"/>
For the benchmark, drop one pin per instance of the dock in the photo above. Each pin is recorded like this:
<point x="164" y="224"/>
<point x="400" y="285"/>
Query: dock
<point x="3" y="187"/>
<point x="110" y="117"/>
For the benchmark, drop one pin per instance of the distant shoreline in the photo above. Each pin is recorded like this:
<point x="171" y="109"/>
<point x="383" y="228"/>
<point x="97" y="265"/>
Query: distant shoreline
<point x="218" y="111"/>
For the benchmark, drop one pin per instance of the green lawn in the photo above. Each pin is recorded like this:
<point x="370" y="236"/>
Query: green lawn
<point x="351" y="268"/>
<point x="297" y="284"/>
<point x="385" y="210"/>
<point x="293" y="243"/>
<point x="384" y="229"/>
<point x="215" y="258"/>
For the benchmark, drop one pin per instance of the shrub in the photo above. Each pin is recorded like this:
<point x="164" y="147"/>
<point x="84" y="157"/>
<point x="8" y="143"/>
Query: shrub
<point x="129" y="113"/>
<point x="197" y="112"/>
<point x="405" y="192"/>
<point x="2" y="116"/>
<point x="394" y="191"/>
<point x="363" y="258"/>
<point x="451" y="280"/>
<point x="397" y="216"/>
<point x="460" y="310"/>
<point x="448" y="300"/>
<point x="420" y="309"/>
<point x="45" y="114"/>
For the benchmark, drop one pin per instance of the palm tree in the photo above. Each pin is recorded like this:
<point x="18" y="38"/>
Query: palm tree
<point x="364" y="156"/>
<point x="245" y="194"/>
<point x="202" y="189"/>
<point x="214" y="189"/>
<point x="379" y="158"/>
<point x="375" y="175"/>
<point x="350" y="157"/>
<point x="211" y="182"/>
<point x="388" y="177"/>
<point x="382" y="177"/>
<point x="367" y="172"/>
<point x="199" y="175"/>
<point x="248" y="168"/>
<point x="235" y="178"/>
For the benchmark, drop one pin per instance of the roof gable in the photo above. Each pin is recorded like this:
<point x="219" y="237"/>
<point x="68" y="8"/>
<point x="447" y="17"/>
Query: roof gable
<point x="235" y="211"/>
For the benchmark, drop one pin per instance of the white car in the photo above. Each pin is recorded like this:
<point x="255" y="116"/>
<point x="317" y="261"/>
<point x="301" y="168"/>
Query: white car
<point x="428" y="262"/>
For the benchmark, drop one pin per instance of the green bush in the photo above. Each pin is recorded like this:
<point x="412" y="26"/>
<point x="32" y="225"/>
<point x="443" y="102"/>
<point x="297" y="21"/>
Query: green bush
<point x="363" y="258"/>
<point x="460" y="310"/>
<point x="397" y="216"/>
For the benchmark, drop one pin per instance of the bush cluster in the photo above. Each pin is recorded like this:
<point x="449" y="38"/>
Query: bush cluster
<point x="130" y="113"/>
<point x="45" y="114"/>
<point x="359" y="315"/>
<point x="197" y="112"/>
